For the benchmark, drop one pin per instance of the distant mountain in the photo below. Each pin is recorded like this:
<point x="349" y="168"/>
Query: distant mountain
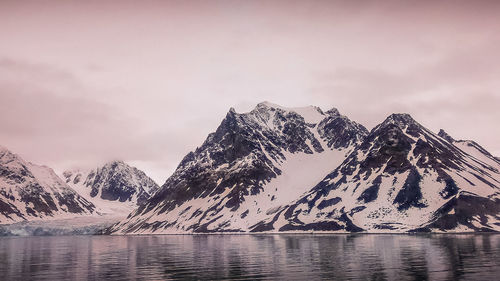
<point x="114" y="187"/>
<point x="302" y="169"/>
<point x="33" y="192"/>
<point x="252" y="165"/>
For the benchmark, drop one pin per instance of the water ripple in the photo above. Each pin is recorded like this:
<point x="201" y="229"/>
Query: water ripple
<point x="252" y="257"/>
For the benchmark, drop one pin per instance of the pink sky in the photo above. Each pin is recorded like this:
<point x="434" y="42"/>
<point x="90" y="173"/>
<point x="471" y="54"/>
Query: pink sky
<point x="83" y="82"/>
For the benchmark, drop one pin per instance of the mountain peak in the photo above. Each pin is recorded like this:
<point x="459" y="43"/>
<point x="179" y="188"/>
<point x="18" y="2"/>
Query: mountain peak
<point x="445" y="136"/>
<point x="401" y="120"/>
<point x="31" y="191"/>
<point x="7" y="156"/>
<point x="4" y="150"/>
<point x="401" y="117"/>
<point x="311" y="113"/>
<point x="113" y="181"/>
<point x="268" y="104"/>
<point x="333" y="112"/>
<point x="115" y="163"/>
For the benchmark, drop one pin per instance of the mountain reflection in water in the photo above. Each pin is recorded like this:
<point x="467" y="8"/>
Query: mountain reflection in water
<point x="284" y="256"/>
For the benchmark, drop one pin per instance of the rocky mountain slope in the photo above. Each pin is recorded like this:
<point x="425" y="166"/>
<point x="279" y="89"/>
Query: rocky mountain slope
<point x="33" y="192"/>
<point x="116" y="187"/>
<point x="401" y="178"/>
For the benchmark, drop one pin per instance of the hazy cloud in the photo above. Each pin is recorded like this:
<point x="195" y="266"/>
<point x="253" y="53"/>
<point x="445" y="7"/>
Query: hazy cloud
<point x="82" y="82"/>
<point x="459" y="92"/>
<point x="49" y="117"/>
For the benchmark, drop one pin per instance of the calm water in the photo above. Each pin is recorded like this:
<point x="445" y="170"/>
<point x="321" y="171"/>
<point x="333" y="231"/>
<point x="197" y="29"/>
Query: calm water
<point x="290" y="257"/>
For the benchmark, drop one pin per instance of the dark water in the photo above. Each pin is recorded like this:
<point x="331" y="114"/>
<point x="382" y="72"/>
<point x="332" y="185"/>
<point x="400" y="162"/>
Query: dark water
<point x="286" y="257"/>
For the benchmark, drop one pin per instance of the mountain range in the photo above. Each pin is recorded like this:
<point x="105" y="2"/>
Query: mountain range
<point x="278" y="169"/>
<point x="30" y="192"/>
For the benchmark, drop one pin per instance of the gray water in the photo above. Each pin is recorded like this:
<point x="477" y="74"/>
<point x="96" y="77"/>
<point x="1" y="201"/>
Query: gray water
<point x="252" y="257"/>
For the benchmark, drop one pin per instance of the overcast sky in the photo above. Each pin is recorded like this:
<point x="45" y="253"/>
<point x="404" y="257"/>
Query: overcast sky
<point x="83" y="82"/>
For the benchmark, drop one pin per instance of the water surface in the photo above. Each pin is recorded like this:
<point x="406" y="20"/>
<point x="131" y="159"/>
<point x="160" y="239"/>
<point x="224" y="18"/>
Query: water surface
<point x="252" y="257"/>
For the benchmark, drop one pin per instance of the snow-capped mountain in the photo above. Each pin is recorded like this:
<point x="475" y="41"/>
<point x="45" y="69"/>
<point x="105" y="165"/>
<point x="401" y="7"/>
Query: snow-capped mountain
<point x="401" y="178"/>
<point x="33" y="192"/>
<point x="302" y="169"/>
<point x="251" y="166"/>
<point x="116" y="187"/>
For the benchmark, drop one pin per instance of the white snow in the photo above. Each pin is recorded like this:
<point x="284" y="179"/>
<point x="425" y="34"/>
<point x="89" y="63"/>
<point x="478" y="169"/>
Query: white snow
<point x="311" y="114"/>
<point x="296" y="179"/>
<point x="470" y="149"/>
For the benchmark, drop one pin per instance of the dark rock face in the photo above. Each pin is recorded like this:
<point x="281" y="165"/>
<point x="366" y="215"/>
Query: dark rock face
<point x="39" y="199"/>
<point x="445" y="136"/>
<point x="398" y="177"/>
<point x="339" y="131"/>
<point x="115" y="181"/>
<point x="451" y="189"/>
<point x="410" y="194"/>
<point x="371" y="193"/>
<point x="28" y="191"/>
<point x="335" y="200"/>
<point x="461" y="209"/>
